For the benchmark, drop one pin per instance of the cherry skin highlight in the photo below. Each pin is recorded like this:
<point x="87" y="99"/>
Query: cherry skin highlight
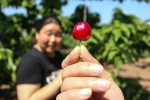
<point x="81" y="31"/>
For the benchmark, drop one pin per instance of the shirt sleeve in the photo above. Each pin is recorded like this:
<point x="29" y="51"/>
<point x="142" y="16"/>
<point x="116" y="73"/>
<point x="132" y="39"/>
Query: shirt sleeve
<point x="29" y="70"/>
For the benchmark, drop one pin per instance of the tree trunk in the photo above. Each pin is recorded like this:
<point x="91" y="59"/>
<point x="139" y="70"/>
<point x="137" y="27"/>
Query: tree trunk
<point x="85" y="13"/>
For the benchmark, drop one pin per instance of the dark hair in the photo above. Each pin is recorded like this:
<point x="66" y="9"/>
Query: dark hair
<point x="46" y="20"/>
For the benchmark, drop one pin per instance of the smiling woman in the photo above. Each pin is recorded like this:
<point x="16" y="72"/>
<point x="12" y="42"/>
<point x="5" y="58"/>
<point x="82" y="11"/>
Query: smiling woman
<point x="38" y="74"/>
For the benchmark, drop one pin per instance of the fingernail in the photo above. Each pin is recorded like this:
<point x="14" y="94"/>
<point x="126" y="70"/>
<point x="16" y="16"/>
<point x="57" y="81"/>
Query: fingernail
<point x="85" y="92"/>
<point x="95" y="69"/>
<point x="102" y="84"/>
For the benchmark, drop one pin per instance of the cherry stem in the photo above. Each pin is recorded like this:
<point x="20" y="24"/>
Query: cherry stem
<point x="80" y="60"/>
<point x="80" y="42"/>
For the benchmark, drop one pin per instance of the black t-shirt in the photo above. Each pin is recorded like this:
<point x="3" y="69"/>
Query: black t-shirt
<point x="36" y="67"/>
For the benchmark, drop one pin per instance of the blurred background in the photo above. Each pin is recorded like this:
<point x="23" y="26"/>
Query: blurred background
<point x="120" y="38"/>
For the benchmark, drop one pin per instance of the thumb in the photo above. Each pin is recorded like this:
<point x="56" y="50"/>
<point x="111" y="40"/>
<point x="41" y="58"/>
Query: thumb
<point x="86" y="56"/>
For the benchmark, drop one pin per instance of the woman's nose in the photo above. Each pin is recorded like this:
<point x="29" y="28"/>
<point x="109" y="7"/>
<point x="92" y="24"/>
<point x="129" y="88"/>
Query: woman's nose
<point x="52" y="38"/>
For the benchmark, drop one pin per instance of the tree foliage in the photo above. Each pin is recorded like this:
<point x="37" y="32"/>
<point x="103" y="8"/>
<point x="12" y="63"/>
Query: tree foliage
<point x="125" y="38"/>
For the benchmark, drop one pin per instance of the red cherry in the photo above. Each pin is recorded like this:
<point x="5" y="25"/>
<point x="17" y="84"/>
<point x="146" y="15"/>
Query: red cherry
<point x="81" y="31"/>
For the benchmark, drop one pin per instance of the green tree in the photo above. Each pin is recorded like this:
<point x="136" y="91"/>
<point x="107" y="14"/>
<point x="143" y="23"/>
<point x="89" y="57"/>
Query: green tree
<point x="125" y="38"/>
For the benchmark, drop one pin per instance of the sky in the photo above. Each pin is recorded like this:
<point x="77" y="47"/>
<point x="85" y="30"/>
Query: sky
<point x="104" y="8"/>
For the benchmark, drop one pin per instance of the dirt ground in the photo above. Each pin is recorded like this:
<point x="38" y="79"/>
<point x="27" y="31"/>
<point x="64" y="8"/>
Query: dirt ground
<point x="139" y="70"/>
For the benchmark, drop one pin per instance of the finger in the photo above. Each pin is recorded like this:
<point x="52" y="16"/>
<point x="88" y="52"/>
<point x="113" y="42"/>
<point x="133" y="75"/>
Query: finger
<point x="86" y="56"/>
<point x="73" y="57"/>
<point x="96" y="84"/>
<point x="75" y="94"/>
<point x="84" y="69"/>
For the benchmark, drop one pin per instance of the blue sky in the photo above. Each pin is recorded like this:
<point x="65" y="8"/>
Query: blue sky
<point x="104" y="8"/>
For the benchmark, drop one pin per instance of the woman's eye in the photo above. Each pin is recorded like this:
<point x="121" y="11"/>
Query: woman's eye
<point x="48" y="33"/>
<point x="58" y="34"/>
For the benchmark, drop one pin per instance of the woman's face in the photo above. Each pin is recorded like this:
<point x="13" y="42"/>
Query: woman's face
<point x="49" y="38"/>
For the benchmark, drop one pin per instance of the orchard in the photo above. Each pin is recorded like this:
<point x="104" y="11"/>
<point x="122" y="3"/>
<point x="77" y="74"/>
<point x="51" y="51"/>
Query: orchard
<point x="125" y="39"/>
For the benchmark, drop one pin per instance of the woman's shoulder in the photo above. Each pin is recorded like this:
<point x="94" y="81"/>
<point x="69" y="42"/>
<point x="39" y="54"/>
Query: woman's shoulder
<point x="32" y="53"/>
<point x="29" y="60"/>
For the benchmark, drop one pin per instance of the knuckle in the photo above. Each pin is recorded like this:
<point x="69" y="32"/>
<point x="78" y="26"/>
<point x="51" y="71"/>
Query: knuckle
<point x="81" y="68"/>
<point x="87" y="82"/>
<point x="64" y="72"/>
<point x="65" y="85"/>
<point x="70" y="95"/>
<point x="66" y="62"/>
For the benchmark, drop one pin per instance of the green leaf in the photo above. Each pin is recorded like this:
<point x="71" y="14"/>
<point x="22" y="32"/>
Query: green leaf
<point x="146" y="39"/>
<point x="107" y="29"/>
<point x="125" y="39"/>
<point x="13" y="76"/>
<point x="94" y="41"/>
<point x="4" y="3"/>
<point x="125" y="29"/>
<point x="111" y="55"/>
<point x="28" y="3"/>
<point x="96" y="33"/>
<point x="116" y="23"/>
<point x="128" y="55"/>
<point x="24" y="3"/>
<point x="118" y="62"/>
<point x="117" y="34"/>
<point x="132" y="28"/>
<point x="105" y="53"/>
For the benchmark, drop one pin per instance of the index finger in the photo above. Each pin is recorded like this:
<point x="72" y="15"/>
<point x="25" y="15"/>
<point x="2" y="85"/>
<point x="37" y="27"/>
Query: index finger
<point x="86" y="56"/>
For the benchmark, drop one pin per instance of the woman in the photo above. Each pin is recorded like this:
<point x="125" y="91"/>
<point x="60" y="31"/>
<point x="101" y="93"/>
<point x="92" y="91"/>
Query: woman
<point x="37" y="77"/>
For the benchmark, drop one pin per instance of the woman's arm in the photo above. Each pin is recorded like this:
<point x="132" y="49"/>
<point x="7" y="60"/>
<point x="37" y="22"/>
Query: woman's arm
<point x="35" y="92"/>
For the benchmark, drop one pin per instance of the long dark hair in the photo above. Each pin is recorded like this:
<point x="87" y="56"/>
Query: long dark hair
<point x="45" y="20"/>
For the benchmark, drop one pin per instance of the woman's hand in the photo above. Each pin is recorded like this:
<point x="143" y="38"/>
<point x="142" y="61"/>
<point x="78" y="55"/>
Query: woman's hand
<point x="86" y="80"/>
<point x="59" y="77"/>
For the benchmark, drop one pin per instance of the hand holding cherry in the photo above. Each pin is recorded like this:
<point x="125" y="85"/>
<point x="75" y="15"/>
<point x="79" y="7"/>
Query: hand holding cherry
<point x="86" y="80"/>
